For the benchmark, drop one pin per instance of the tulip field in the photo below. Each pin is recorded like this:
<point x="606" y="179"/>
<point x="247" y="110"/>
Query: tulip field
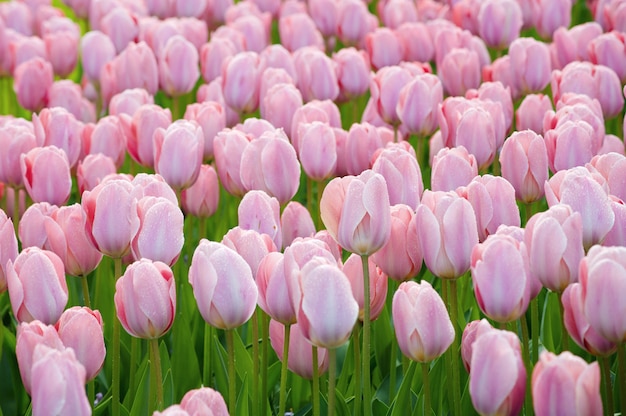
<point x="312" y="207"/>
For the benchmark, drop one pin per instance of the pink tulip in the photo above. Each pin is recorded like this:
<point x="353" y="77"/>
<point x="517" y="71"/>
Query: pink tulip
<point x="501" y="276"/>
<point x="68" y="95"/>
<point x="204" y="400"/>
<point x="567" y="383"/>
<point x="46" y="175"/>
<point x="278" y="57"/>
<point x="173" y="410"/>
<point x="530" y="64"/>
<point x="202" y="198"/>
<point x="529" y="114"/>
<point x="32" y="229"/>
<point x="151" y="185"/>
<point x="418" y="45"/>
<point x="460" y="71"/>
<point x="447" y="232"/>
<point x="254" y="29"/>
<point x="80" y="328"/>
<point x="58" y="383"/>
<point x="271" y="280"/>
<point x="92" y="169"/>
<point x="354" y="22"/>
<point x="240" y="78"/>
<point x="29" y="335"/>
<point x="16" y="139"/>
<point x="324" y="111"/>
<point x="497" y="382"/>
<point x="362" y="142"/>
<point x="493" y="200"/>
<point x="318" y="150"/>
<point x="121" y="26"/>
<point x="385" y="90"/>
<point x="612" y="167"/>
<point x="213" y="54"/>
<point x="160" y="234"/>
<point x="254" y="128"/>
<point x="58" y="127"/>
<point x="501" y="70"/>
<point x="524" y="162"/>
<point x="456" y="160"/>
<point x="106" y="137"/>
<point x="300" y="355"/>
<point x="228" y="147"/>
<point x="571" y="45"/>
<point x="279" y="104"/>
<point x="37" y="288"/>
<point x="139" y="130"/>
<point x="249" y="244"/>
<point x="473" y="330"/>
<point x="296" y="222"/>
<point x="353" y="72"/>
<point x="324" y="14"/>
<point x="609" y="49"/>
<point x="178" y="153"/>
<point x="555" y="264"/>
<point x="61" y="36"/>
<point x="612" y="143"/>
<point x="384" y="47"/>
<point x="353" y="269"/>
<point x="260" y="212"/>
<point x="317" y="78"/>
<point x="578" y="326"/>
<point x="96" y="50"/>
<point x="145" y="299"/>
<point x="402" y="174"/>
<point x="617" y="235"/>
<point x="418" y="102"/>
<point x="326" y="288"/>
<point x="8" y="245"/>
<point x="129" y="101"/>
<point x="602" y="275"/>
<point x="423" y="327"/>
<point x="298" y="30"/>
<point x="223" y="285"/>
<point x="211" y="117"/>
<point x="548" y="16"/>
<point x="581" y="190"/>
<point x="507" y="16"/>
<point x="32" y="80"/>
<point x="270" y="164"/>
<point x="111" y="232"/>
<point x="178" y="66"/>
<point x="358" y="221"/>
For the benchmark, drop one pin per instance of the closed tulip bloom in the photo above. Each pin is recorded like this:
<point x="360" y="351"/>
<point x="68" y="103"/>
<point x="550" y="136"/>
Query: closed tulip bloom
<point x="318" y="150"/>
<point x="58" y="127"/>
<point x="271" y="280"/>
<point x="473" y="330"/>
<point x="279" y="105"/>
<point x="447" y="233"/>
<point x="354" y="22"/>
<point x="8" y="247"/>
<point x="240" y="80"/>
<point x="28" y="336"/>
<point x="46" y="175"/>
<point x="524" y="161"/>
<point x="326" y="288"/>
<point x="145" y="299"/>
<point x="500" y="273"/>
<point x="58" y="383"/>
<point x="298" y="30"/>
<point x="178" y="153"/>
<point x="493" y="200"/>
<point x="211" y="117"/>
<point x="300" y="356"/>
<point x="548" y="16"/>
<point x="353" y="269"/>
<point x="569" y="145"/>
<point x="384" y="47"/>
<point x="173" y="410"/>
<point x="356" y="211"/>
<point x="578" y="326"/>
<point x="250" y="244"/>
<point x="202" y="198"/>
<point x="402" y="174"/>
<point x="609" y="49"/>
<point x="160" y="234"/>
<point x="602" y="274"/>
<point x="362" y="142"/>
<point x="317" y="78"/>
<point x="270" y="164"/>
<point x="178" y="66"/>
<point x="69" y="95"/>
<point x="80" y="328"/>
<point x="508" y="16"/>
<point x="418" y="45"/>
<point x="223" y="285"/>
<point x="204" y="400"/>
<point x="145" y="185"/>
<point x="353" y="72"/>
<point x="612" y="166"/>
<point x="254" y="30"/>
<point x="31" y="82"/>
<point x="577" y="108"/>
<point x="37" y="287"/>
<point x="324" y="111"/>
<point x="92" y="169"/>
<point x="617" y="235"/>
<point x="260" y="212"/>
<point x="460" y="71"/>
<point x="61" y="36"/>
<point x="228" y="147"/>
<point x="418" y="102"/>
<point x="581" y="190"/>
<point x="423" y="327"/>
<point x="16" y="138"/>
<point x="529" y="114"/>
<point x="385" y="90"/>
<point x="555" y="264"/>
<point x="569" y="45"/>
<point x="96" y="50"/>
<point x="112" y="219"/>
<point x="213" y="54"/>
<point x="530" y="64"/>
<point x="566" y="383"/>
<point x="296" y="222"/>
<point x="139" y="130"/>
<point x="129" y="101"/>
<point x="456" y="160"/>
<point x="497" y="382"/>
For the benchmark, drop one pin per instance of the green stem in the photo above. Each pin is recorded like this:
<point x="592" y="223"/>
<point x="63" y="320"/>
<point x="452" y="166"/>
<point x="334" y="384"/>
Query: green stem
<point x="116" y="350"/>
<point x="283" y="372"/>
<point x="321" y="185"/>
<point x="332" y="370"/>
<point x="528" y="400"/>
<point x="393" y="362"/>
<point x="395" y="133"/>
<point x="91" y="393"/>
<point x="255" y="360"/>
<point x="85" y="285"/>
<point x="16" y="210"/>
<point x="309" y="195"/>
<point x="621" y="358"/>
<point x="365" y="359"/>
<point x="264" y="357"/>
<point x="207" y="380"/>
<point x="356" y="344"/>
<point x="230" y="344"/>
<point x="175" y="108"/>
<point x="355" y="112"/>
<point x="426" y="389"/>
<point x="134" y="355"/>
<point x="316" y="383"/>
<point x="607" y="387"/>
<point x="534" y="320"/>
<point x="156" y="371"/>
<point x="454" y="313"/>
<point x="202" y="229"/>
<point x="564" y="333"/>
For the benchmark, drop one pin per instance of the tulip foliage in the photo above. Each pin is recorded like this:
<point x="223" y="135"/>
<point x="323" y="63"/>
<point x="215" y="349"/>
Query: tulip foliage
<point x="270" y="207"/>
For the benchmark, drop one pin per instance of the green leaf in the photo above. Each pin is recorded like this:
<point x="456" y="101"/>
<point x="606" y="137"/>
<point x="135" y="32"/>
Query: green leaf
<point x="242" y="399"/>
<point x="550" y="322"/>
<point x="402" y="401"/>
<point x="166" y="376"/>
<point x="141" y="403"/>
